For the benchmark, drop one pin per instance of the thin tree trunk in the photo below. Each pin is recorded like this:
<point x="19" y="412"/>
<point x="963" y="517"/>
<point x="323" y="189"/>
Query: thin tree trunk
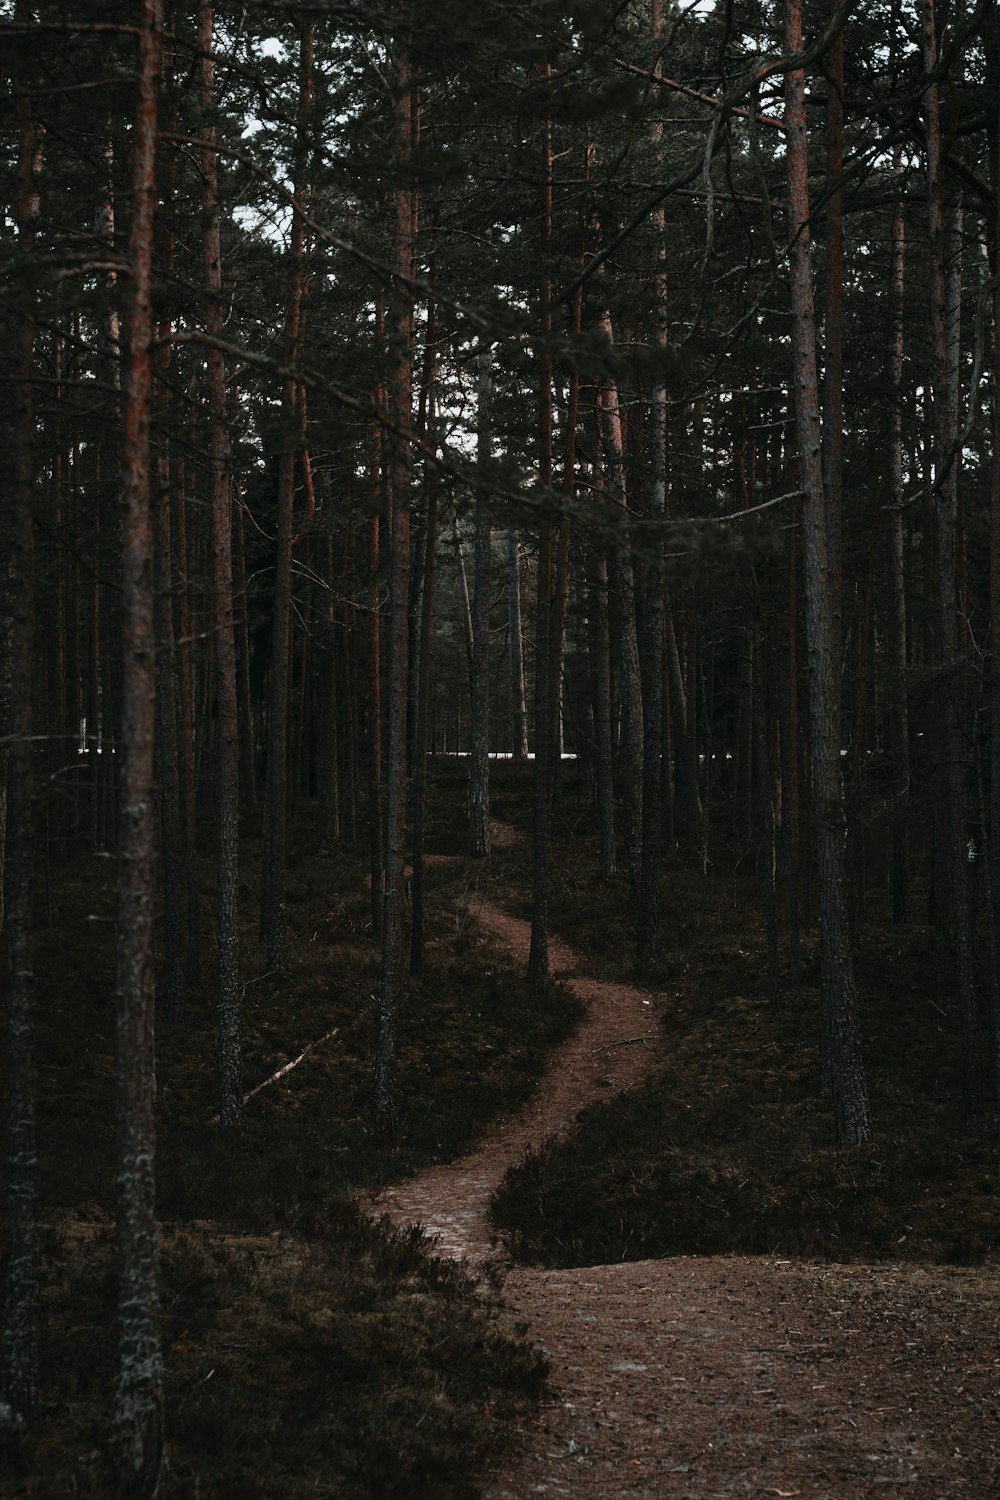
<point x="138" y="1398"/>
<point x="791" y="825"/>
<point x="423" y="721"/>
<point x="378" y="489"/>
<point x="423" y="731"/>
<point x="623" y="576"/>
<point x="768" y="784"/>
<point x="993" y="77"/>
<point x="479" y="758"/>
<point x="743" y="750"/>
<point x="833" y="354"/>
<point x="601" y="668"/>
<point x="248" y="735"/>
<point x="463" y="588"/>
<point x="944" y="336"/>
<point x="837" y="963"/>
<point x="652" y="602"/>
<point x="864" y="632"/>
<point x="538" y="953"/>
<point x="688" y="797"/>
<point x="177" y="876"/>
<point x="519" y="708"/>
<point x="560" y="565"/>
<point x="274" y="904"/>
<point x="327" y="766"/>
<point x="401" y="397"/>
<point x="227" y="714"/>
<point x="19" y="1348"/>
<point x="376" y="809"/>
<point x="899" y="728"/>
<point x="185" y="684"/>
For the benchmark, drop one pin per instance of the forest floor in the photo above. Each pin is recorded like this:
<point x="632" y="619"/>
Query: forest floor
<point x="655" y="1275"/>
<point x="700" y="1376"/>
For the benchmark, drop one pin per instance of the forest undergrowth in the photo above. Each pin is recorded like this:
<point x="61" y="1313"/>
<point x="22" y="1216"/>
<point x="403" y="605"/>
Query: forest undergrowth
<point x="306" y="1349"/>
<point x="729" y="1148"/>
<point x="310" y="1351"/>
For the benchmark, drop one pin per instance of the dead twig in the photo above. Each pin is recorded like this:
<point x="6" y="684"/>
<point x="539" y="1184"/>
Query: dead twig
<point x="288" y="1066"/>
<point x="627" y="1041"/>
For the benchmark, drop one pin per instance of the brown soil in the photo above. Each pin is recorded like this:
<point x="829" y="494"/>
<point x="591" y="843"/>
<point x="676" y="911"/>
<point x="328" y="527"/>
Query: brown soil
<point x="698" y="1377"/>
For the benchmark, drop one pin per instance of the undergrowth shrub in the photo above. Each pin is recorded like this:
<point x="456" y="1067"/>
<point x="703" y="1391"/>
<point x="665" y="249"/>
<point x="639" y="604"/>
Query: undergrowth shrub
<point x="345" y="1362"/>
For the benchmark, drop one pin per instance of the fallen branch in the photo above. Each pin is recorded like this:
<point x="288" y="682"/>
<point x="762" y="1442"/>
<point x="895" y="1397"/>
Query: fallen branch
<point x="627" y="1041"/>
<point x="288" y="1066"/>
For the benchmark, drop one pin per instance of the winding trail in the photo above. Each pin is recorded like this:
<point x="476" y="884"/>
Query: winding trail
<point x="691" y="1378"/>
<point x="614" y="1045"/>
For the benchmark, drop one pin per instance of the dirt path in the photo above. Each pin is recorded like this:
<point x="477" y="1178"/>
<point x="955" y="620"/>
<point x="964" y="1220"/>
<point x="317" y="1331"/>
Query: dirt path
<point x="694" y="1378"/>
<point x="614" y="1046"/>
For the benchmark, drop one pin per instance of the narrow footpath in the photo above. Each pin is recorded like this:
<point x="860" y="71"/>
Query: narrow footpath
<point x="700" y="1377"/>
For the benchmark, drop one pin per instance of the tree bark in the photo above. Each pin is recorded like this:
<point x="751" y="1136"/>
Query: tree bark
<point x="833" y="376"/>
<point x="600" y="651"/>
<point x="19" y="1347"/>
<point x="227" y="715"/>
<point x="623" y="578"/>
<point x="479" y="758"/>
<point x="274" y="903"/>
<point x="423" y="723"/>
<point x="425" y="645"/>
<point x="378" y="490"/>
<point x="538" y="953"/>
<point x="955" y="912"/>
<point x="993" y="77"/>
<point x="837" y="963"/>
<point x="401" y="398"/>
<point x="652" y="593"/>
<point x="138" y="1397"/>
<point x="518" y="699"/>
<point x="899" y="727"/>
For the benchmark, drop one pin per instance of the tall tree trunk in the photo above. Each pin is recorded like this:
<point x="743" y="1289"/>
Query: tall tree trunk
<point x="623" y="576"/>
<point x="768" y="788"/>
<point x="688" y="797"/>
<point x="791" y="825"/>
<point x="837" y="963"/>
<point x="176" y="873"/>
<point x="138" y="1398"/>
<point x="479" y="758"/>
<point x="560" y="564"/>
<point x="19" y="1347"/>
<point x="463" y="590"/>
<point x="993" y="77"/>
<point x="743" y="749"/>
<point x="376" y="809"/>
<point x="944" y="243"/>
<point x="401" y="399"/>
<point x="248" y="733"/>
<point x="227" y="715"/>
<point x="899" y="727"/>
<point x="186" y="690"/>
<point x="425" y="643"/>
<point x="423" y="722"/>
<point x="652" y="592"/>
<point x="600" y="654"/>
<point x="519" y="708"/>
<point x="833" y="376"/>
<point x="378" y="489"/>
<point x="274" y="903"/>
<point x="327" y="762"/>
<point x="538" y="953"/>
